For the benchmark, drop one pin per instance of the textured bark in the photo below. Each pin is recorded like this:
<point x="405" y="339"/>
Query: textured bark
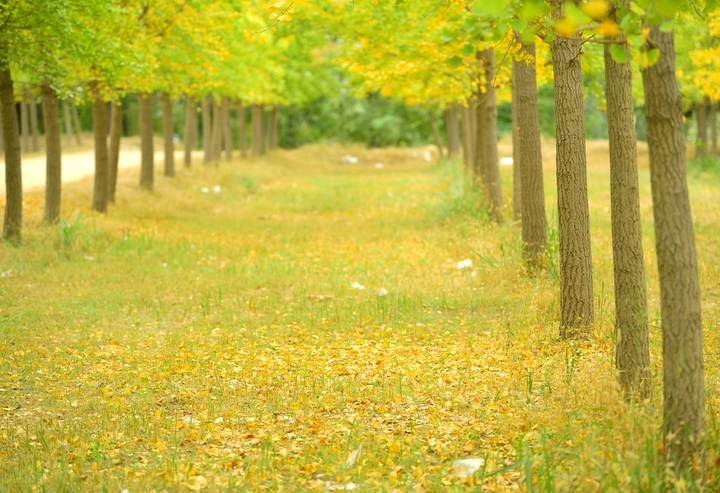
<point x="25" y="123"/>
<point x="258" y="137"/>
<point x="116" y="116"/>
<point x="100" y="127"/>
<point x="207" y="129"/>
<point x="632" y="354"/>
<point x="242" y="129"/>
<point x="53" y="152"/>
<point x="486" y="154"/>
<point x="2" y="141"/>
<point x="227" y="131"/>
<point x="216" y="137"/>
<point x="713" y="130"/>
<point x="529" y="160"/>
<point x="76" y="122"/>
<point x="168" y="135"/>
<point x="452" y="131"/>
<point x="34" y="127"/>
<point x="68" y="123"/>
<point x="683" y="367"/>
<point x="273" y="128"/>
<point x="517" y="175"/>
<point x="12" y="226"/>
<point x="436" y="135"/>
<point x="468" y="136"/>
<point x="701" y="143"/>
<point x="190" y="130"/>
<point x="147" y="148"/>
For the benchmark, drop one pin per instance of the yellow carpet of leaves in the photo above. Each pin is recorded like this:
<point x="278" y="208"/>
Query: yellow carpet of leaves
<point x="200" y="339"/>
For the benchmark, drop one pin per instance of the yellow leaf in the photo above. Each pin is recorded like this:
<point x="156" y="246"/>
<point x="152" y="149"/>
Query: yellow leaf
<point x="566" y="28"/>
<point x="596" y="9"/>
<point x="608" y="28"/>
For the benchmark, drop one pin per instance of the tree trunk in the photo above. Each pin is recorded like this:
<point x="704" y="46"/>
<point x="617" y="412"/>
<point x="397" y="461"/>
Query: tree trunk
<point x="190" y="130"/>
<point x="53" y="152"/>
<point x="436" y="135"/>
<point x="273" y="137"/>
<point x="116" y="116"/>
<point x="529" y="160"/>
<point x="576" y="288"/>
<point x="713" y="130"/>
<point x="468" y="135"/>
<point x="25" y="123"/>
<point x="216" y="137"/>
<point x="227" y="131"/>
<point x="100" y="126"/>
<point x="486" y="154"/>
<point x="702" y="133"/>
<point x="207" y="129"/>
<point x="2" y="141"/>
<point x="147" y="148"/>
<point x="12" y="226"/>
<point x="258" y="137"/>
<point x="242" y="129"/>
<point x="452" y="131"/>
<point x="169" y="135"/>
<point x="68" y="123"/>
<point x="632" y="355"/>
<point x="76" y="120"/>
<point x="683" y="368"/>
<point x="34" y="127"/>
<point x="517" y="178"/>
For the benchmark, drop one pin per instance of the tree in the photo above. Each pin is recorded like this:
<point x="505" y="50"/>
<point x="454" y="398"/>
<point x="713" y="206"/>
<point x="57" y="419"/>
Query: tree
<point x="576" y="288"/>
<point x="53" y="183"/>
<point x="100" y="131"/>
<point x="147" y="163"/>
<point x="168" y="134"/>
<point x="13" y="161"/>
<point x="190" y="130"/>
<point x="116" y="115"/>
<point x="683" y="366"/>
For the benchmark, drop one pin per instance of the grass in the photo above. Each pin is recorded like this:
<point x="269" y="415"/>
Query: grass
<point x="201" y="341"/>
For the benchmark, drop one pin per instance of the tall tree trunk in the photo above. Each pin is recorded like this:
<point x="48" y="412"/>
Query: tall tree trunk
<point x="713" y="130"/>
<point x="116" y="116"/>
<point x="452" y="131"/>
<point x="25" y="123"/>
<point x="436" y="135"/>
<point x="100" y="127"/>
<point x="486" y="155"/>
<point x="468" y="135"/>
<point x="517" y="175"/>
<point x="216" y="137"/>
<point x="207" y="129"/>
<point x="576" y="288"/>
<point x="147" y="148"/>
<point x="632" y="355"/>
<point x="273" y="128"/>
<point x="68" y="123"/>
<point x="168" y="134"/>
<point x="76" y="121"/>
<point x="2" y="141"/>
<point x="702" y="133"/>
<point x="242" y="129"/>
<point x="529" y="160"/>
<point x="258" y="137"/>
<point x="227" y="131"/>
<point x="12" y="226"/>
<point x="683" y="367"/>
<point x="190" y="130"/>
<point x="34" y="127"/>
<point x="53" y="152"/>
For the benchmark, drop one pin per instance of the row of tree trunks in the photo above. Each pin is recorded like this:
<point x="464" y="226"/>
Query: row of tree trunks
<point x="25" y="125"/>
<point x="706" y="144"/>
<point x="257" y="136"/>
<point x="452" y="131"/>
<point x="242" y="129"/>
<point x="227" y="139"/>
<point x="190" y="130"/>
<point x="53" y="150"/>
<point x="436" y="135"/>
<point x="273" y="129"/>
<point x="147" y="147"/>
<point x="12" y="225"/>
<point x="206" y="108"/>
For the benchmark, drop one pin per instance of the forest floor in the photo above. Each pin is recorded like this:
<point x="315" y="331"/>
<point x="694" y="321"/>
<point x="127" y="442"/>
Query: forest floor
<point x="296" y="323"/>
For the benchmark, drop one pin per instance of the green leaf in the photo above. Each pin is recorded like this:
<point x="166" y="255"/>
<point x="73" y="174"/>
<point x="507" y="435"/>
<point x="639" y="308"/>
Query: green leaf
<point x="667" y="25"/>
<point x="635" y="40"/>
<point x="399" y="2"/>
<point x="455" y="62"/>
<point x="468" y="50"/>
<point x="652" y="56"/>
<point x="446" y="36"/>
<point x="489" y="8"/>
<point x="618" y="53"/>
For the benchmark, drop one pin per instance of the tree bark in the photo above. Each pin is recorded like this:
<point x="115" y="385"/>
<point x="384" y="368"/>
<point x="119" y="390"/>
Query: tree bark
<point x="632" y="354"/>
<point x="68" y="123"/>
<point x="273" y="128"/>
<point x="529" y="159"/>
<point x="227" y="131"/>
<point x="12" y="226"/>
<point x="207" y="129"/>
<point x="190" y="130"/>
<point x="258" y="137"/>
<point x="100" y="127"/>
<point x="713" y="130"/>
<point x="76" y="120"/>
<point x="2" y="141"/>
<point x="468" y="135"/>
<point x="486" y="153"/>
<point x="517" y="178"/>
<point x="452" y="131"/>
<point x="25" y="123"/>
<point x="147" y="148"/>
<point x="169" y="135"/>
<point x="683" y="367"/>
<point x="116" y="116"/>
<point x="53" y="152"/>
<point x="34" y="127"/>
<point x="436" y="135"/>
<point x="576" y="288"/>
<point x="216" y="138"/>
<point x="701" y="144"/>
<point x="242" y="129"/>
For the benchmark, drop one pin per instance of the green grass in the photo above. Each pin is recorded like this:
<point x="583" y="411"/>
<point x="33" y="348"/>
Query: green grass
<point x="202" y="341"/>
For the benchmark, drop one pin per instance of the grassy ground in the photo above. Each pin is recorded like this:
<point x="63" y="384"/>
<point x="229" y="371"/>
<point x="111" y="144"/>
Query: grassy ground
<point x="193" y="340"/>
